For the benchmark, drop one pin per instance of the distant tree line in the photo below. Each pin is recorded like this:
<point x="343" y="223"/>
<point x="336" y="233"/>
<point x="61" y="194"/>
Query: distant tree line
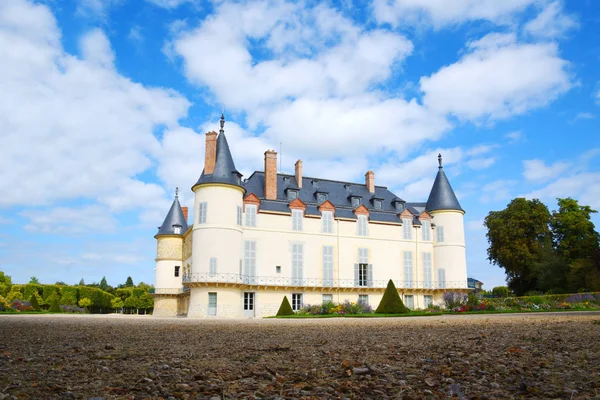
<point x="94" y="297"/>
<point x="551" y="252"/>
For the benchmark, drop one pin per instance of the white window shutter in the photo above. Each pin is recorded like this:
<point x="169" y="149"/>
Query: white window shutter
<point x="356" y="275"/>
<point x="370" y="275"/>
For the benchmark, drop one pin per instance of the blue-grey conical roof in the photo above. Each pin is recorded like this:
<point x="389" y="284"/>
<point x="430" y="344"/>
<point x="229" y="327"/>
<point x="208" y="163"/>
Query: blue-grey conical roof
<point x="174" y="217"/>
<point x="442" y="196"/>
<point x="225" y="171"/>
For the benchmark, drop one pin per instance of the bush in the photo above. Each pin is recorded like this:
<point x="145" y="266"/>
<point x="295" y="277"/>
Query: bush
<point x="501" y="291"/>
<point x="54" y="306"/>
<point x="4" y="304"/>
<point x="391" y="303"/>
<point x="454" y="300"/>
<point x="285" y="308"/>
<point x="69" y="295"/>
<point x="34" y="302"/>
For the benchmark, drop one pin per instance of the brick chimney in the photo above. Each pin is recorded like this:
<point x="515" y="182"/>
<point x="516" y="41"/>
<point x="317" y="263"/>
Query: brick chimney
<point x="298" y="166"/>
<point x="271" y="175"/>
<point x="210" y="154"/>
<point x="370" y="181"/>
<point x="184" y="210"/>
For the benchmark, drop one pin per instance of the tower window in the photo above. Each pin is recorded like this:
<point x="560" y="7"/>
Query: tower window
<point x="213" y="266"/>
<point x="176" y="229"/>
<point x="202" y="209"/>
<point x="440" y="234"/>
<point x="239" y="215"/>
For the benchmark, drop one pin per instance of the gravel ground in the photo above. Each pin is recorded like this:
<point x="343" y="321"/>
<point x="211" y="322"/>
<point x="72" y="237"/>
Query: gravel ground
<point x="510" y="356"/>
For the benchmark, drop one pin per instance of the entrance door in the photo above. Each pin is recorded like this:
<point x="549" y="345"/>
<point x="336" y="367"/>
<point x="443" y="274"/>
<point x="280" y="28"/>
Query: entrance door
<point x="249" y="304"/>
<point x="212" y="304"/>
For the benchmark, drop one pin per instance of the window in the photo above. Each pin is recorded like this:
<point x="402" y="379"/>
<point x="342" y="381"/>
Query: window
<point x="355" y="201"/>
<point x="406" y="228"/>
<point x="297" y="220"/>
<point x="427" y="272"/>
<point x="327" y="265"/>
<point x="428" y="301"/>
<point x="363" y="271"/>
<point x="250" y="215"/>
<point x="212" y="304"/>
<point x="278" y="269"/>
<point x="399" y="205"/>
<point x="409" y="301"/>
<point x="426" y="230"/>
<point x="248" y="301"/>
<point x="441" y="278"/>
<point x="362" y="227"/>
<point x="202" y="208"/>
<point x="327" y="222"/>
<point x="296" y="301"/>
<point x="292" y="194"/>
<point x="239" y="215"/>
<point x="408" y="269"/>
<point x="327" y="298"/>
<point x="377" y="204"/>
<point x="250" y="260"/>
<point x="363" y="299"/>
<point x="440" y="234"/>
<point x="297" y="263"/>
<point x="177" y="270"/>
<point x="177" y="229"/>
<point x="321" y="197"/>
<point x="213" y="266"/>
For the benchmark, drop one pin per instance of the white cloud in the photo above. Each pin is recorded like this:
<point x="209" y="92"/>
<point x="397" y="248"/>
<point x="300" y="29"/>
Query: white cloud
<point x="135" y="34"/>
<point x="72" y="127"/>
<point x="551" y="22"/>
<point x="169" y="3"/>
<point x="515" y="136"/>
<point x="582" y="116"/>
<point x="498" y="78"/>
<point x="481" y="149"/>
<point x="583" y="186"/>
<point x="96" y="8"/>
<point x="441" y="13"/>
<point x="497" y="190"/>
<point x="481" y="163"/>
<point x="538" y="171"/>
<point x="475" y="225"/>
<point x="69" y="220"/>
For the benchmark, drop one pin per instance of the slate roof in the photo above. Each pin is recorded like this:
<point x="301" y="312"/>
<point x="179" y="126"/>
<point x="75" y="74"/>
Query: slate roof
<point x="225" y="171"/>
<point x="442" y="196"/>
<point x="174" y="217"/>
<point x="338" y="193"/>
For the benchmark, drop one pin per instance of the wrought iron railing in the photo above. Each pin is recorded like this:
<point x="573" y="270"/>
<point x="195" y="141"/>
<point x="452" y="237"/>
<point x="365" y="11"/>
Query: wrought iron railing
<point x="233" y="278"/>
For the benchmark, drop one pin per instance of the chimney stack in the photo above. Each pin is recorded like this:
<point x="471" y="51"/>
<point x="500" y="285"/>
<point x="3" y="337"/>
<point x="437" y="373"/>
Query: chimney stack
<point x="298" y="166"/>
<point x="184" y="210"/>
<point x="370" y="181"/>
<point x="271" y="175"/>
<point x="210" y="154"/>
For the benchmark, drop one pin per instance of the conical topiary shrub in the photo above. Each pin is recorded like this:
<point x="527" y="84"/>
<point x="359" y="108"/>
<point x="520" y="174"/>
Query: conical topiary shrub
<point x="34" y="302"/>
<point x="285" y="308"/>
<point x="391" y="303"/>
<point x="54" y="306"/>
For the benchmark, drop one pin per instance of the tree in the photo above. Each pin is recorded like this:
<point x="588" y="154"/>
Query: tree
<point x="103" y="283"/>
<point x="129" y="282"/>
<point x="54" y="306"/>
<point x="34" y="302"/>
<point x="81" y="282"/>
<point x="34" y="280"/>
<point x="85" y="303"/>
<point x="519" y="236"/>
<point x="285" y="308"/>
<point x="391" y="303"/>
<point x="117" y="303"/>
<point x="5" y="284"/>
<point x="573" y="231"/>
<point x="501" y="291"/>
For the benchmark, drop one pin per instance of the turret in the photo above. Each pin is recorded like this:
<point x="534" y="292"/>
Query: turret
<point x="449" y="239"/>
<point x="217" y="230"/>
<point x="169" y="259"/>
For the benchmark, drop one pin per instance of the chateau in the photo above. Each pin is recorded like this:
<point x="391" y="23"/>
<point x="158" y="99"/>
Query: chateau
<point x="253" y="241"/>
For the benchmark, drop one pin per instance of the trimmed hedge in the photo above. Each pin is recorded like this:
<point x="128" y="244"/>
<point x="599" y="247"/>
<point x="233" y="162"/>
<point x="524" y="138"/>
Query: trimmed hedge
<point x="30" y="289"/>
<point x="391" y="303"/>
<point x="69" y="295"/>
<point x="285" y="308"/>
<point x="34" y="302"/>
<point x="54" y="306"/>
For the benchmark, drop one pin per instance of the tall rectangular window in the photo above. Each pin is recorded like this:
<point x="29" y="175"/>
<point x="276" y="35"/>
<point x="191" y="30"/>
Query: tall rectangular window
<point x="406" y="228"/>
<point x="426" y="230"/>
<point x="363" y="299"/>
<point x="250" y="215"/>
<point x="239" y="215"/>
<point x="296" y="301"/>
<point x="202" y="209"/>
<point x="250" y="260"/>
<point x="363" y="271"/>
<point x="327" y="298"/>
<point x="427" y="271"/>
<point x="213" y="266"/>
<point x="440" y="234"/>
<point x="327" y="265"/>
<point x="248" y="301"/>
<point x="408" y="269"/>
<point x="409" y="301"/>
<point x="212" y="304"/>
<point x="327" y="222"/>
<point x="427" y="301"/>
<point x="362" y="226"/>
<point x="177" y="270"/>
<point x="441" y="278"/>
<point x="297" y="220"/>
<point x="297" y="263"/>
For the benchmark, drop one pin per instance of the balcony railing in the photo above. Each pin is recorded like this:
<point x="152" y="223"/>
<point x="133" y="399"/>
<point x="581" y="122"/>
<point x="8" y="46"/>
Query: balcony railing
<point x="238" y="279"/>
<point x="168" y="290"/>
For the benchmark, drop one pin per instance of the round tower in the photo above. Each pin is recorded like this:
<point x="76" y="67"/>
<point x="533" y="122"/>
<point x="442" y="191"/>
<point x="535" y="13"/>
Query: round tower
<point x="169" y="261"/>
<point x="449" y="250"/>
<point x="217" y="232"/>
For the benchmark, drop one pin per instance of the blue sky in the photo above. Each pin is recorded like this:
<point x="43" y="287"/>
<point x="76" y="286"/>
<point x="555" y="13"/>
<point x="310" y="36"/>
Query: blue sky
<point x="103" y="106"/>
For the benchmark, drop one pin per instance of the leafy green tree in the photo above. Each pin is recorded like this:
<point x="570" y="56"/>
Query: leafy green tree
<point x="81" y="282"/>
<point x="573" y="231"/>
<point x="85" y="303"/>
<point x="391" y="303"/>
<point x="5" y="284"/>
<point x="285" y="308"/>
<point x="132" y="302"/>
<point x="34" y="280"/>
<point x="16" y="293"/>
<point x="103" y="284"/>
<point x="117" y="303"/>
<point x="519" y="236"/>
<point x="501" y="291"/>
<point x="129" y="282"/>
<point x="34" y="302"/>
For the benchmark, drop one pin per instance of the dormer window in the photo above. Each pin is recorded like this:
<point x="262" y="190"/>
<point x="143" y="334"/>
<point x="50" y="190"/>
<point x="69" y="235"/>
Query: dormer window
<point x="321" y="197"/>
<point x="177" y="229"/>
<point x="378" y="204"/>
<point x="355" y="201"/>
<point x="400" y="205"/>
<point x="292" y="194"/>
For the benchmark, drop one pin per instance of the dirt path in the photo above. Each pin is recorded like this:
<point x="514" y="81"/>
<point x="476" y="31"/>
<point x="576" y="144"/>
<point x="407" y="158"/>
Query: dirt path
<point x="472" y="357"/>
